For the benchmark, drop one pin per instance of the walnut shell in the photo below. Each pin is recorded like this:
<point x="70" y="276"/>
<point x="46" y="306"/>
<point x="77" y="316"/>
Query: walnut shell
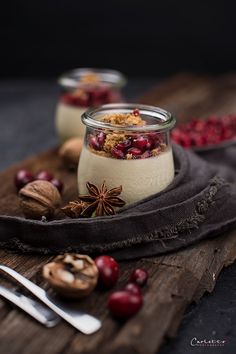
<point x="38" y="199"/>
<point x="72" y="275"/>
<point x="70" y="151"/>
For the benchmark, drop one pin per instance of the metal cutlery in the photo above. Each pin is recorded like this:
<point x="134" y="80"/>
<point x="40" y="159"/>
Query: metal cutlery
<point x="36" y="310"/>
<point x="85" y="323"/>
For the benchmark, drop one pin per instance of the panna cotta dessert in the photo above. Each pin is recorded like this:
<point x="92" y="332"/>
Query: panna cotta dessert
<point x="81" y="89"/>
<point x="127" y="145"/>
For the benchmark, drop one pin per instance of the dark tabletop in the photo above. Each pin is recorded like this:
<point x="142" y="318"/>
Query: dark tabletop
<point x="27" y="127"/>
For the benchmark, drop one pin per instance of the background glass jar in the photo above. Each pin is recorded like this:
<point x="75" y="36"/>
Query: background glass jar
<point x="81" y="89"/>
<point x="138" y="157"/>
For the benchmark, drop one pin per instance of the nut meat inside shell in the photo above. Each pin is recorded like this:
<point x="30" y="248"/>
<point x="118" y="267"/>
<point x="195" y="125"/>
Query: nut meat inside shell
<point x="72" y="275"/>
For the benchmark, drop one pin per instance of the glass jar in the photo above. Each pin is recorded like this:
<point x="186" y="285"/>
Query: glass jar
<point x="128" y="145"/>
<point x="81" y="89"/>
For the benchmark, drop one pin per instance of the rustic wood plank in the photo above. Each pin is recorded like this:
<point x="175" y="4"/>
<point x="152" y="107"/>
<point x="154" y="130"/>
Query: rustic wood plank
<point x="176" y="279"/>
<point x="188" y="96"/>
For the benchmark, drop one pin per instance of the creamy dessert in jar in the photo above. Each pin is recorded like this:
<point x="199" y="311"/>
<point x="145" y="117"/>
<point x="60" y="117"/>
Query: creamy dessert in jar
<point x="81" y="89"/>
<point x="127" y="145"/>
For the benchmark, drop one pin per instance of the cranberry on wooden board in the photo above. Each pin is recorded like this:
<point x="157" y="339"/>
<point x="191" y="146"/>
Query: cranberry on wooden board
<point x="133" y="288"/>
<point x="22" y="178"/>
<point x="124" y="304"/>
<point x="108" y="270"/>
<point x="139" y="276"/>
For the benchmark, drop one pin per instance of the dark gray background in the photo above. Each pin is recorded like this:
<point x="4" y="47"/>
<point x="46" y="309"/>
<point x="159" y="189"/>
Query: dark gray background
<point x="27" y="126"/>
<point x="138" y="37"/>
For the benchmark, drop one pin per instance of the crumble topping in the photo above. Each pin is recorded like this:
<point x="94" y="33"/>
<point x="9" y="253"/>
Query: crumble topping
<point x="124" y="119"/>
<point x="112" y="140"/>
<point x="90" y="78"/>
<point x="126" y="145"/>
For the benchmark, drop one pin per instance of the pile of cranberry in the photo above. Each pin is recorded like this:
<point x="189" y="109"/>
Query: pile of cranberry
<point x="139" y="146"/>
<point x="89" y="96"/>
<point x="23" y="177"/>
<point x="199" y="132"/>
<point x="126" y="302"/>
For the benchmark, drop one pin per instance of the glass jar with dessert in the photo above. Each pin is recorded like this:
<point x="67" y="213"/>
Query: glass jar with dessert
<point x="127" y="145"/>
<point x="82" y="89"/>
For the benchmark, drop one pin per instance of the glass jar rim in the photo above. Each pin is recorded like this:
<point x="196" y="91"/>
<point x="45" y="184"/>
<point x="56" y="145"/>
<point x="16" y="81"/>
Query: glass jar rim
<point x="71" y="79"/>
<point x="167" y="119"/>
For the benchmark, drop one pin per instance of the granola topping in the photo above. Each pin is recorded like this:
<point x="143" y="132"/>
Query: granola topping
<point x="124" y="119"/>
<point x="126" y="145"/>
<point x="112" y="140"/>
<point x="90" y="78"/>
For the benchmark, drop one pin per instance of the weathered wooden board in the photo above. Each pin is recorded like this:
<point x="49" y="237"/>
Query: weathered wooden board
<point x="176" y="279"/>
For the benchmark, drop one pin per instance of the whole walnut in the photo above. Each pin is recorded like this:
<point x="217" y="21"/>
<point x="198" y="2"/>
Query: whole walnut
<point x="70" y="152"/>
<point x="72" y="275"/>
<point x="38" y="199"/>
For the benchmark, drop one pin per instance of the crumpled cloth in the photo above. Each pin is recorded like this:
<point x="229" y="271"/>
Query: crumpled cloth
<point x="199" y="203"/>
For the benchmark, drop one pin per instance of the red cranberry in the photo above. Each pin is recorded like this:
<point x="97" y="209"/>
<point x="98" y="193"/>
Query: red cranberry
<point x="124" y="145"/>
<point x="22" y="178"/>
<point x="135" y="152"/>
<point x="44" y="176"/>
<point x="108" y="270"/>
<point x="136" y="112"/>
<point x="124" y="304"/>
<point x="139" y="276"/>
<point x="58" y="184"/>
<point x="118" y="154"/>
<point x="140" y="143"/>
<point x="133" y="288"/>
<point x="93" y="143"/>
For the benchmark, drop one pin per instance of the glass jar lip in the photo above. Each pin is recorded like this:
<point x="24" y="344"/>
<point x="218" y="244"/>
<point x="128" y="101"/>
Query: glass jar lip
<point x="167" y="123"/>
<point x="71" y="79"/>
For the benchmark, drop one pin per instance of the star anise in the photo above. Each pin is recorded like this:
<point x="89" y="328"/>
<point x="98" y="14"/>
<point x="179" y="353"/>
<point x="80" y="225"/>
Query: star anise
<point x="102" y="201"/>
<point x="74" y="209"/>
<point x="98" y="202"/>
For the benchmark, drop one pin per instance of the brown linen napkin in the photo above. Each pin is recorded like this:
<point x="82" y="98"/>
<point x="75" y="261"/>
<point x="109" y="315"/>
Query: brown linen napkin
<point x="199" y="203"/>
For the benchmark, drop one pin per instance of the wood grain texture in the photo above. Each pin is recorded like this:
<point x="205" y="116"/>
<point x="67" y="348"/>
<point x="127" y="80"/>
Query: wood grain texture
<point x="176" y="279"/>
